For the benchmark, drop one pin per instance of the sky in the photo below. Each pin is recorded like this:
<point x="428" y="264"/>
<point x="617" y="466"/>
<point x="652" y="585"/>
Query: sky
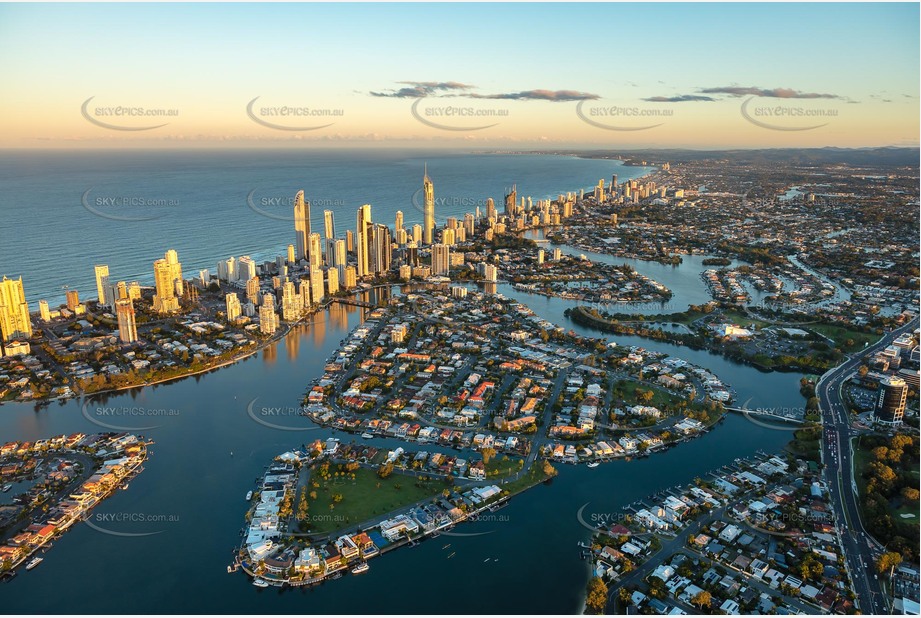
<point x="475" y="76"/>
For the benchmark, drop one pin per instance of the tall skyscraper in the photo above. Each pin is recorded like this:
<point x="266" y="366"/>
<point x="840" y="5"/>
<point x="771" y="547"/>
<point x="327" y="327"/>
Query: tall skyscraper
<point x="428" y="208"/>
<point x="102" y="281"/>
<point x="490" y="208"/>
<point x="511" y="202"/>
<point x="441" y="259"/>
<point x="232" y="306"/>
<point x="301" y="225"/>
<point x="316" y="284"/>
<point x="339" y="258"/>
<point x="291" y="302"/>
<point x="167" y="281"/>
<point x="399" y="220"/>
<point x="227" y="269"/>
<point x="44" y="311"/>
<point x="127" y="327"/>
<point x="134" y="290"/>
<point x="73" y="299"/>
<point x="890" y="402"/>
<point x="246" y="268"/>
<point x="381" y="250"/>
<point x="268" y="321"/>
<point x="329" y="224"/>
<point x="332" y="281"/>
<point x="314" y="252"/>
<point x="172" y="258"/>
<point x="291" y="255"/>
<point x="15" y="322"/>
<point x="351" y="277"/>
<point x="362" y="239"/>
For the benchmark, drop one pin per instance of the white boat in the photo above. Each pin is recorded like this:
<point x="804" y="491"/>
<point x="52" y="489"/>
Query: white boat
<point x="260" y="583"/>
<point x="249" y="496"/>
<point x="594" y="464"/>
<point x="367" y="436"/>
<point x="33" y="563"/>
<point x="7" y="487"/>
<point x="361" y="568"/>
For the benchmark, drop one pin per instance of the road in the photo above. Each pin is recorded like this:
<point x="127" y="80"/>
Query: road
<point x="860" y="548"/>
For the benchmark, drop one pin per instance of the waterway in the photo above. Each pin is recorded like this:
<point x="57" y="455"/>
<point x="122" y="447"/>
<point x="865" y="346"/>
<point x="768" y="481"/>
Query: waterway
<point x="188" y="504"/>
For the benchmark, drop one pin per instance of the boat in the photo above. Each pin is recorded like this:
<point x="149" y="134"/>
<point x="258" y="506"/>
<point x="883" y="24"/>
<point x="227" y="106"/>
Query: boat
<point x="249" y="496"/>
<point x="260" y="583"/>
<point x="452" y="554"/>
<point x="125" y="486"/>
<point x="487" y="560"/>
<point x="446" y="546"/>
<point x="367" y="436"/>
<point x="34" y="563"/>
<point x="594" y="464"/>
<point x="7" y="487"/>
<point x="361" y="568"/>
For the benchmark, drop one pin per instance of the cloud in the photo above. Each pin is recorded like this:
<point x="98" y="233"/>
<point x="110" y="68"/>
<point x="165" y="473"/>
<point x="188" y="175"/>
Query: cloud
<point x="681" y="98"/>
<point x="415" y="90"/>
<point x="775" y="93"/>
<point x="540" y="95"/>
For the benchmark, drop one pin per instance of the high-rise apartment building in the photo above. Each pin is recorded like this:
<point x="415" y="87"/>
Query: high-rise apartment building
<point x="301" y="225"/>
<point x="15" y="322"/>
<point x="127" y="326"/>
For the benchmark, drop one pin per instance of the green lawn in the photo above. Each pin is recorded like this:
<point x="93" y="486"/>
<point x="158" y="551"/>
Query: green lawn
<point x="660" y="397"/>
<point x="363" y="497"/>
<point x="841" y="334"/>
<point x="744" y="320"/>
<point x="501" y="466"/>
<point x="533" y="476"/>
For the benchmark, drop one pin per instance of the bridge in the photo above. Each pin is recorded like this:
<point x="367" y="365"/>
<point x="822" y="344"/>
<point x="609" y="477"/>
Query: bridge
<point x="356" y="303"/>
<point x="786" y="414"/>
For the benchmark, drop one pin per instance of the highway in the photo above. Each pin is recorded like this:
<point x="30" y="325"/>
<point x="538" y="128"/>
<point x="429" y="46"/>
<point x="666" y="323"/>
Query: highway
<point x="860" y="548"/>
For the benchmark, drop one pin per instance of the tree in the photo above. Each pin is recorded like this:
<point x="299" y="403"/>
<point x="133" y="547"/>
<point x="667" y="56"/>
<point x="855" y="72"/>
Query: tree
<point x="624" y="595"/>
<point x="910" y="494"/>
<point x="597" y="596"/>
<point x="385" y="470"/>
<point x="701" y="599"/>
<point x="887" y="561"/>
<point x="487" y="453"/>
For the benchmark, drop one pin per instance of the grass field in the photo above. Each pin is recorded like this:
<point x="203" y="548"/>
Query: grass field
<point x="744" y="320"/>
<point x="840" y="335"/>
<point x="533" y="476"/>
<point x="501" y="466"/>
<point x="660" y="397"/>
<point x="364" y="497"/>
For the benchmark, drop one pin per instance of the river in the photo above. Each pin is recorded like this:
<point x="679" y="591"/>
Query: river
<point x="189" y="501"/>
